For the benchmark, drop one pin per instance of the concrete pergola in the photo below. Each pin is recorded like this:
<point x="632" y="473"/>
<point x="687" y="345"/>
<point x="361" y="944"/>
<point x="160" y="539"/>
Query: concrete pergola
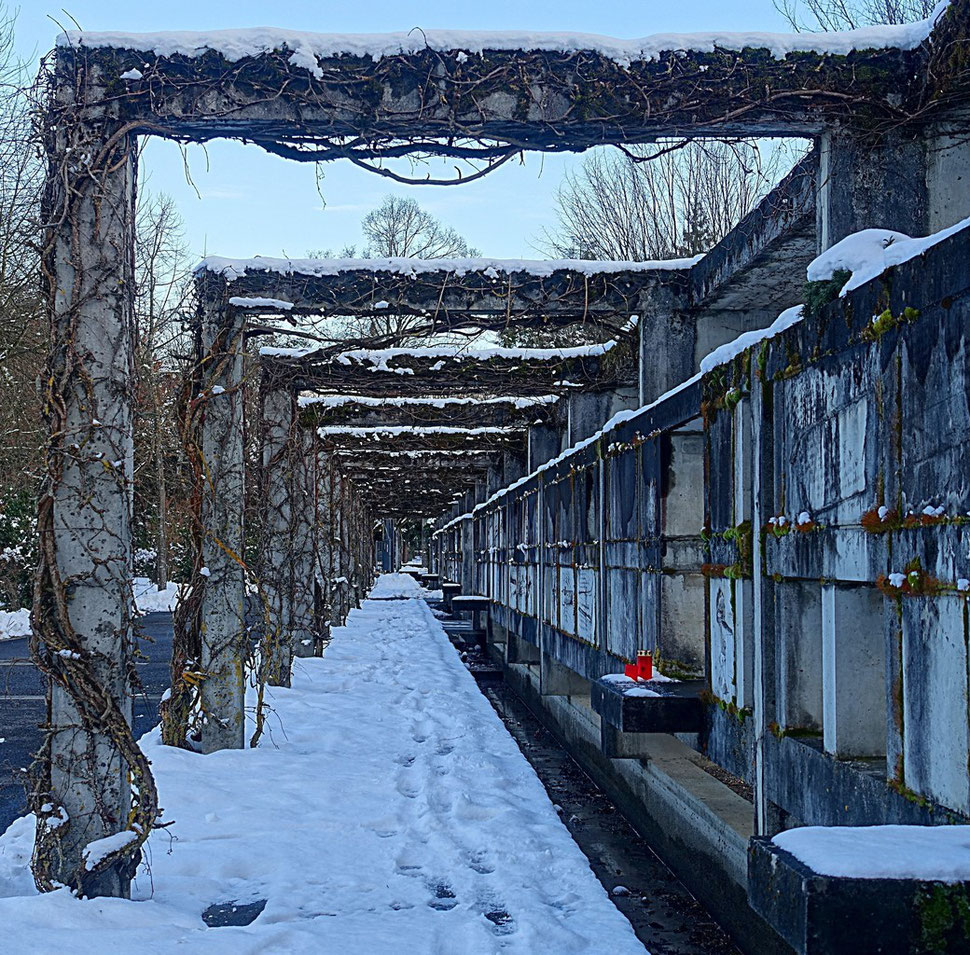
<point x="311" y="97"/>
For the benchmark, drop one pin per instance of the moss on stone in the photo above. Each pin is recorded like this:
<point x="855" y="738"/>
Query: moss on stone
<point x="944" y="916"/>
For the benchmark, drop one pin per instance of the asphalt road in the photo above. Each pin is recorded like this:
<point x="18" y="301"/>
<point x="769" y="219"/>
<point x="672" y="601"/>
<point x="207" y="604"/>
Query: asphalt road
<point x="22" y="707"/>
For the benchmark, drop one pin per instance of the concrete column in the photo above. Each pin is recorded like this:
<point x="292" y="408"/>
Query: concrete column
<point x="303" y="540"/>
<point x="222" y="505"/>
<point x="545" y="443"/>
<point x="947" y="177"/>
<point x="668" y="342"/>
<point x="494" y="480"/>
<point x="588" y="411"/>
<point x="853" y="671"/>
<point x="468" y="575"/>
<point x="870" y="183"/>
<point x="324" y="544"/>
<point x="514" y="466"/>
<point x="276" y="554"/>
<point x="85" y="505"/>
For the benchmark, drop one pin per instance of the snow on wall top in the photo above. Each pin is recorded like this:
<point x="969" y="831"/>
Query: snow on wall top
<point x="233" y="269"/>
<point x="730" y="350"/>
<point x="867" y="254"/>
<point x="307" y="48"/>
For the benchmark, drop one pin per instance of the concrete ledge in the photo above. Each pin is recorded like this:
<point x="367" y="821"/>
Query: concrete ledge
<point x="630" y="706"/>
<point x="825" y="915"/>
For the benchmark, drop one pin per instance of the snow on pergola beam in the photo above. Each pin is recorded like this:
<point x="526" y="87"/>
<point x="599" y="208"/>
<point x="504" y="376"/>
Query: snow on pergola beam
<point x="417" y="438"/>
<point x="452" y="371"/>
<point x="319" y="96"/>
<point x="371" y="458"/>
<point x="358" y="411"/>
<point x="364" y="464"/>
<point x="447" y="293"/>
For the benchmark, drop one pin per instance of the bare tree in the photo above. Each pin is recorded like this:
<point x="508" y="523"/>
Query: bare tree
<point x="23" y="328"/>
<point x="400" y="227"/>
<point x="830" y="15"/>
<point x="162" y="276"/>
<point x="657" y="202"/>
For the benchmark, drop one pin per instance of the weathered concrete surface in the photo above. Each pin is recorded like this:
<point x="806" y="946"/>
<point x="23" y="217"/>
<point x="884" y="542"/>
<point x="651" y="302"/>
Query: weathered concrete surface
<point x="90" y="480"/>
<point x="276" y="565"/>
<point x="223" y="605"/>
<point x="824" y="915"/>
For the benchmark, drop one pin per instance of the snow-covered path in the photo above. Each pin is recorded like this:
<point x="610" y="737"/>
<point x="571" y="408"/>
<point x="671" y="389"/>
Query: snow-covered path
<point x="388" y="810"/>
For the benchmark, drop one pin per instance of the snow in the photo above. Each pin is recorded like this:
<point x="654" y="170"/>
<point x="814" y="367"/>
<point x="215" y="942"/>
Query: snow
<point x="396" y="585"/>
<point x="149" y="599"/>
<point x="493" y="268"/>
<point x="426" y="453"/>
<point x="381" y="356"/>
<point x="380" y="359"/>
<point x="386" y="810"/>
<point x="307" y="48"/>
<point x="365" y="401"/>
<point x="95" y="852"/>
<point x="258" y="302"/>
<point x="14" y="624"/>
<point x="936" y="853"/>
<point x="867" y="254"/>
<point x="729" y="351"/>
<point x="132" y="75"/>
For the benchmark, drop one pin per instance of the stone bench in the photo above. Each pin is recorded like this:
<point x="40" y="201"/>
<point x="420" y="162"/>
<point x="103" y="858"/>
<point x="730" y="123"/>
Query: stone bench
<point x="448" y="592"/>
<point x="817" y="913"/>
<point x="630" y="709"/>
<point x="469" y="603"/>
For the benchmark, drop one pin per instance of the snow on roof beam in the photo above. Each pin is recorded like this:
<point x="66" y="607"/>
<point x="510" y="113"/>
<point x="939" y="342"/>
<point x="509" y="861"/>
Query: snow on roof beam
<point x="448" y="293"/>
<point x="413" y="439"/>
<point x="462" y="412"/>
<point x="319" y="96"/>
<point x="453" y="372"/>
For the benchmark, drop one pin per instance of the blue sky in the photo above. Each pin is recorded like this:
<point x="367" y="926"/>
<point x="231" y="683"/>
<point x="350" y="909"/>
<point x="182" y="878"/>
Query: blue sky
<point x="253" y="203"/>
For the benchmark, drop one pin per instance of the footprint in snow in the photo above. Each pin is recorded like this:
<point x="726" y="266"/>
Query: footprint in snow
<point x="420" y="731"/>
<point x="407" y="788"/>
<point x="502" y="922"/>
<point x="444" y="897"/>
<point x="478" y="862"/>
